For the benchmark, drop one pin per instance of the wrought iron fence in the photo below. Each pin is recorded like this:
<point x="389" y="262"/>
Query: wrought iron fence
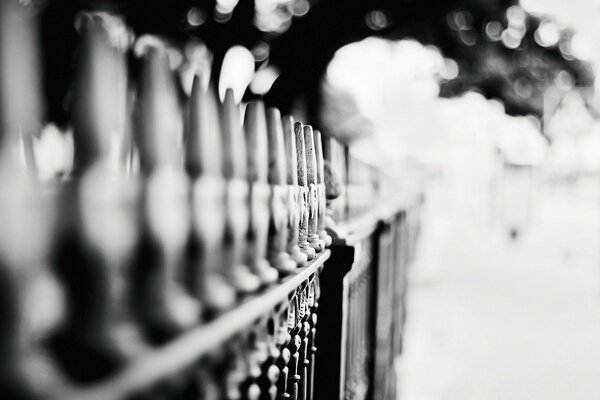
<point x="188" y="254"/>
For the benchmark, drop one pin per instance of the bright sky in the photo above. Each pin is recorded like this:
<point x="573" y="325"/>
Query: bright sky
<point x="399" y="96"/>
<point x="395" y="85"/>
<point x="582" y="15"/>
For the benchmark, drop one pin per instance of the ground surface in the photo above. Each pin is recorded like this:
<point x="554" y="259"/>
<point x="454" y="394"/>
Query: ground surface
<point x="491" y="319"/>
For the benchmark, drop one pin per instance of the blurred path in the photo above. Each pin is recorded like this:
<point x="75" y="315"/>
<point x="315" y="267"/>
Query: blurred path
<point x="490" y="319"/>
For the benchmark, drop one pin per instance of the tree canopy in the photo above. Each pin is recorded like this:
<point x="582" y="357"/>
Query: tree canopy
<point x="493" y="42"/>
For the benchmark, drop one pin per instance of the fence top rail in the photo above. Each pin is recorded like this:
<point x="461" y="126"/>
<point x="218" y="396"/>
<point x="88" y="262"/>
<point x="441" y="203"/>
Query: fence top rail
<point x="168" y="360"/>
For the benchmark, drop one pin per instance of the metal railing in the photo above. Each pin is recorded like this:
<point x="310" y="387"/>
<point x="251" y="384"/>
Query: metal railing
<point x="187" y="254"/>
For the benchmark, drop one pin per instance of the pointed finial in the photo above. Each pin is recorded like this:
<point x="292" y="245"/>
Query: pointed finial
<point x="255" y="127"/>
<point x="289" y="140"/>
<point x="310" y="155"/>
<point x="319" y="154"/>
<point x="277" y="162"/>
<point x="279" y="227"/>
<point x="312" y="198"/>
<point x="304" y="194"/>
<point x="159" y="119"/>
<point x="203" y="154"/>
<point x="20" y="87"/>
<point x="99" y="98"/>
<point x="234" y="146"/>
<point x="300" y="154"/>
<point x="294" y="203"/>
<point x="321" y="191"/>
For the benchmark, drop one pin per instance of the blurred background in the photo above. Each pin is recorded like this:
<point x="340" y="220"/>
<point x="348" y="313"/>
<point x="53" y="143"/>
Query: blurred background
<point x="491" y="106"/>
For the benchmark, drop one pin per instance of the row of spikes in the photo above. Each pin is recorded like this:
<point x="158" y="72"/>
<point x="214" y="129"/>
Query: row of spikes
<point x="217" y="145"/>
<point x="218" y="209"/>
<point x="238" y="165"/>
